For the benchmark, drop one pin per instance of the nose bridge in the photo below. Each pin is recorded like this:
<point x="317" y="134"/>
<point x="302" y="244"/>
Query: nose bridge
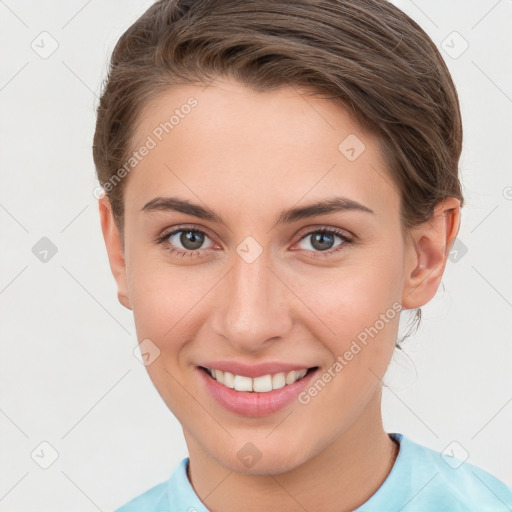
<point x="254" y="306"/>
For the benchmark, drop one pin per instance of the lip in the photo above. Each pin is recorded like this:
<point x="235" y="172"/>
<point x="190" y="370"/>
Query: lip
<point x="254" y="370"/>
<point x="247" y="403"/>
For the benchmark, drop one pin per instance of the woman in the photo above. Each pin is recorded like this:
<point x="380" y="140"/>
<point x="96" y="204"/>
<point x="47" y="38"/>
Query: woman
<point x="281" y="181"/>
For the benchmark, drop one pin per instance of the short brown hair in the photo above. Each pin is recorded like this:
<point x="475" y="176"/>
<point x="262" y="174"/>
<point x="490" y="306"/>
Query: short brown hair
<point x="366" y="54"/>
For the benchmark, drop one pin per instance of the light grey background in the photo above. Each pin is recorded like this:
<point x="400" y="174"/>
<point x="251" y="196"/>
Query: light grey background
<point x="68" y="375"/>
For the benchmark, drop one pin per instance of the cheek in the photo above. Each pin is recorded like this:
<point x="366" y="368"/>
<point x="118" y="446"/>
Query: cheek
<point x="162" y="299"/>
<point x="363" y="310"/>
<point x="354" y="298"/>
<point x="359" y="309"/>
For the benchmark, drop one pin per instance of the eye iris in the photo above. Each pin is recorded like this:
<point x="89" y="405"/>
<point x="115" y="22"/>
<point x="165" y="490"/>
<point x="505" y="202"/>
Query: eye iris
<point x="193" y="237"/>
<point x="319" y="243"/>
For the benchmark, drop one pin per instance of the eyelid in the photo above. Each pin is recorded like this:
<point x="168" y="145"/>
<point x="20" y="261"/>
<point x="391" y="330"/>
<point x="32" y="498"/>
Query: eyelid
<point x="184" y="227"/>
<point x="325" y="227"/>
<point x="346" y="240"/>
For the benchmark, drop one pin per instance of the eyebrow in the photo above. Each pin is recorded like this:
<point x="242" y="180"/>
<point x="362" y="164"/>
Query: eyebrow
<point x="332" y="205"/>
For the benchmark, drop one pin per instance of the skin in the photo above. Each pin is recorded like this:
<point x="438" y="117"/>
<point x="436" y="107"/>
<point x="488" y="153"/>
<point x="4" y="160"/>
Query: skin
<point x="247" y="156"/>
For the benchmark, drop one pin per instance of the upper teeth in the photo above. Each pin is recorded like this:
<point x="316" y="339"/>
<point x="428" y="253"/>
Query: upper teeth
<point x="259" y="384"/>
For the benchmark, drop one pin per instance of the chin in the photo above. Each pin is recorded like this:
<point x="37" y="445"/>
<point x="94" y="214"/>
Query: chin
<point x="264" y="461"/>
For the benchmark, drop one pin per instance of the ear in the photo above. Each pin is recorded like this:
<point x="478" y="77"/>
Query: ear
<point x="427" y="248"/>
<point x="115" y="250"/>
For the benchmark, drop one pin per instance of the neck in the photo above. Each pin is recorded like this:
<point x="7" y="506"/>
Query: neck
<point x="340" y="478"/>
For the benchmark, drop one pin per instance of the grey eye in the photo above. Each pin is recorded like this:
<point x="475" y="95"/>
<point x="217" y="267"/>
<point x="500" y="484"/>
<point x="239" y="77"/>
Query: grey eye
<point x="188" y="238"/>
<point x="321" y="241"/>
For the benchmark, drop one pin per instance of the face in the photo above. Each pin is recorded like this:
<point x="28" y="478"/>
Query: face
<point x="249" y="281"/>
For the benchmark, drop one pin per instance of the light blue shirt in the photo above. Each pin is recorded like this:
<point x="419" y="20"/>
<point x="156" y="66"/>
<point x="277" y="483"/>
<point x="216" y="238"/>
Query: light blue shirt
<point x="421" y="480"/>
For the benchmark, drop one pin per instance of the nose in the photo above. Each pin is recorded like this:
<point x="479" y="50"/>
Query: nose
<point x="253" y="308"/>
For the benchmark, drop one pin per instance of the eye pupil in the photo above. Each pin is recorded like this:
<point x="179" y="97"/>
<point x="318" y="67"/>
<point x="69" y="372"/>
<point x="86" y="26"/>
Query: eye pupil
<point x="318" y="241"/>
<point x="194" y="238"/>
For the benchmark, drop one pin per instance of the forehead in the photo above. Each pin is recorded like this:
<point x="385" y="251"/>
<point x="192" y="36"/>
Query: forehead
<point x="226" y="140"/>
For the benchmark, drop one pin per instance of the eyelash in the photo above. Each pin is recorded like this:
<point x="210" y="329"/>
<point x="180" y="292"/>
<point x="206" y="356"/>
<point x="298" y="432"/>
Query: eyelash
<point x="164" y="240"/>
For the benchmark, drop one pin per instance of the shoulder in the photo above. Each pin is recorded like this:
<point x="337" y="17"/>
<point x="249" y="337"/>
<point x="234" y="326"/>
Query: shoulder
<point x="175" y="493"/>
<point x="154" y="500"/>
<point x="423" y="479"/>
<point x="462" y="483"/>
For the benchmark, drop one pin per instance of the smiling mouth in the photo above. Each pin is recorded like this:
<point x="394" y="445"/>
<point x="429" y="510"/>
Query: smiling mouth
<point x="262" y="384"/>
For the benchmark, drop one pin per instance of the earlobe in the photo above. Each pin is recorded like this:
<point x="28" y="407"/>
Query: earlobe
<point x="115" y="251"/>
<point x="427" y="252"/>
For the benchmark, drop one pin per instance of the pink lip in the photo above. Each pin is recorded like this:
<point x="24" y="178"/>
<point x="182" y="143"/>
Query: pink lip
<point x="254" y="404"/>
<point x="253" y="370"/>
